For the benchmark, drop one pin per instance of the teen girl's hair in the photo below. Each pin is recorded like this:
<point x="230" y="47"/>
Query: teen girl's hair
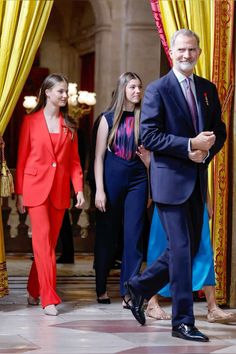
<point x="117" y="105"/>
<point x="47" y="84"/>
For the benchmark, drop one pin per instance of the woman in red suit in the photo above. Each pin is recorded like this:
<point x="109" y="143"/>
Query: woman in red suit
<point x="47" y="161"/>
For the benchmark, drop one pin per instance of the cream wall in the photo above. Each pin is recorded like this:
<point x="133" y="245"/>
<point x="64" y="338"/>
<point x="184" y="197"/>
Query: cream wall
<point x="122" y="34"/>
<point x="129" y="39"/>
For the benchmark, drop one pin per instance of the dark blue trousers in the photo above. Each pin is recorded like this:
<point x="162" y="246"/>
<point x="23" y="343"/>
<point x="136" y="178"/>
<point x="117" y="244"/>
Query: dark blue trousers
<point x="183" y="225"/>
<point x="126" y="187"/>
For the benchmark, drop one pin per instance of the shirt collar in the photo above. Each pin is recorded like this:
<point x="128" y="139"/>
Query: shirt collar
<point x="181" y="77"/>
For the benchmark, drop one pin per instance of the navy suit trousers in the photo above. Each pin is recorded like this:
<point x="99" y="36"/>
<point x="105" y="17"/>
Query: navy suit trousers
<point x="126" y="187"/>
<point x="183" y="225"/>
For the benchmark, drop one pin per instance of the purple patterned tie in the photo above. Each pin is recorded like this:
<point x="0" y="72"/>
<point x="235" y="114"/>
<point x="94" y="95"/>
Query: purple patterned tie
<point x="191" y="103"/>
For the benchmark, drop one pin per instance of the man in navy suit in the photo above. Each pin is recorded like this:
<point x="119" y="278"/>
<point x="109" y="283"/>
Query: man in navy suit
<point x="183" y="137"/>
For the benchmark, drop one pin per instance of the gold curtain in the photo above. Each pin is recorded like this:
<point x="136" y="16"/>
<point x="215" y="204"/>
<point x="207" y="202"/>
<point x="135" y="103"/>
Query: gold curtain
<point x="22" y="24"/>
<point x="186" y="14"/>
<point x="223" y="77"/>
<point x="215" y="63"/>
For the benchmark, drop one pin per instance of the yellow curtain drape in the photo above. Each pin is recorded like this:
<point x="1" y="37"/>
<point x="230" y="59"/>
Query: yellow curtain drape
<point x="22" y="24"/>
<point x="223" y="77"/>
<point x="186" y="14"/>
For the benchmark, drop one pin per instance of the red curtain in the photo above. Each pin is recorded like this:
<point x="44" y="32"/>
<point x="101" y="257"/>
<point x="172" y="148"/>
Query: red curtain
<point x="157" y="17"/>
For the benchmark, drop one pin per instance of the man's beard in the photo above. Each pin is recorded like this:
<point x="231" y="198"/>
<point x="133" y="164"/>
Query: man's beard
<point x="186" y="66"/>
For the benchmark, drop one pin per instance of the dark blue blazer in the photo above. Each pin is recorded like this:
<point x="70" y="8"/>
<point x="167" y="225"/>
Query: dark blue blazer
<point x="166" y="127"/>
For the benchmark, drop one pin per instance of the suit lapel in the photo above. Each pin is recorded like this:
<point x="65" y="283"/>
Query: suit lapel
<point x="201" y="103"/>
<point x="175" y="91"/>
<point x="64" y="131"/>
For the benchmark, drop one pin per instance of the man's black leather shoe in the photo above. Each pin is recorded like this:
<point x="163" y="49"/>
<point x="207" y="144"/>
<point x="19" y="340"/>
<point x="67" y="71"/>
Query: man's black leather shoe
<point x="137" y="304"/>
<point x="189" y="332"/>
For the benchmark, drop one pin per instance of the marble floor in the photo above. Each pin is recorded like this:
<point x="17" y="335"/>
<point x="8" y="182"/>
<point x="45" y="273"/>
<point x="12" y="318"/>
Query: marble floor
<point x="85" y="327"/>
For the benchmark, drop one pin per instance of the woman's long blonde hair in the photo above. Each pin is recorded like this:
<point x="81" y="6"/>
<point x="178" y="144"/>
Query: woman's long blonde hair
<point x="117" y="106"/>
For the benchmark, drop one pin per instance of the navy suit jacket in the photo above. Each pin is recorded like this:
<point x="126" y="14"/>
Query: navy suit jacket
<point x="166" y="126"/>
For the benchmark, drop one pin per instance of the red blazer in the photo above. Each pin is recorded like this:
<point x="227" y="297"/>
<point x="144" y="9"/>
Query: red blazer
<point x="40" y="170"/>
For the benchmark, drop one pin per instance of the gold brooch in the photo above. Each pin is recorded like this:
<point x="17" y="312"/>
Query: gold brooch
<point x="65" y="130"/>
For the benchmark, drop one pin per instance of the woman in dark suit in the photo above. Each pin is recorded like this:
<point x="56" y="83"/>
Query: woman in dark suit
<point x="47" y="161"/>
<point x="121" y="186"/>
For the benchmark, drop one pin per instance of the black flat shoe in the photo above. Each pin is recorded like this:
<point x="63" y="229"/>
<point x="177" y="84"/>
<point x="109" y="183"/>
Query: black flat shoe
<point x="116" y="265"/>
<point x="104" y="301"/>
<point x="63" y="260"/>
<point x="137" y="304"/>
<point x="189" y="332"/>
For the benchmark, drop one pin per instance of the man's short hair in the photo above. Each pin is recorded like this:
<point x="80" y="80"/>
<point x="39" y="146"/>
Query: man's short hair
<point x="183" y="32"/>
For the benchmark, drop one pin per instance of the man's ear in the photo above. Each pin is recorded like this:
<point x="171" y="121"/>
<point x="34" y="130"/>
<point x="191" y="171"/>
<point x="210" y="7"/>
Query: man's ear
<point x="200" y="51"/>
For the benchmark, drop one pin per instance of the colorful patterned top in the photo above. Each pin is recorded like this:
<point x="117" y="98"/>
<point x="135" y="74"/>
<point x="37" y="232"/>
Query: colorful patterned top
<point x="124" y="145"/>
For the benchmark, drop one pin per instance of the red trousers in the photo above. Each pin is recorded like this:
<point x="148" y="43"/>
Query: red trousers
<point x="46" y="222"/>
